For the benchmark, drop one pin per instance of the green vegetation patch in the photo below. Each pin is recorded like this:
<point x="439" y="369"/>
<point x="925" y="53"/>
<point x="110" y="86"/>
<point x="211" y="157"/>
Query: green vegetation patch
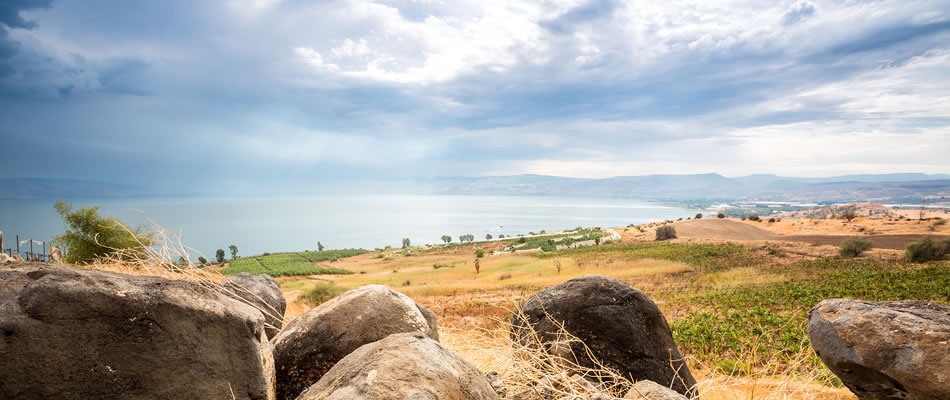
<point x="766" y="326"/>
<point x="549" y="243"/>
<point x="287" y="264"/>
<point x="704" y="257"/>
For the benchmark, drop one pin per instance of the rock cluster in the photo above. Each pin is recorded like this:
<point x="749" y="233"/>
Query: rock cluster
<point x="69" y="333"/>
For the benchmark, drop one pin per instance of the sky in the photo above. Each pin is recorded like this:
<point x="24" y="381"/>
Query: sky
<point x="237" y="95"/>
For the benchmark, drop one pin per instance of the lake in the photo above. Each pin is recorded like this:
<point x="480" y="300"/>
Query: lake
<point x="293" y="223"/>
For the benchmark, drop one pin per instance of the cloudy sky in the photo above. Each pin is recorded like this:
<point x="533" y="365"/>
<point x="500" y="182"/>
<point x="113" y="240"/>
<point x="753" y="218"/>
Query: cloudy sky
<point x="227" y="94"/>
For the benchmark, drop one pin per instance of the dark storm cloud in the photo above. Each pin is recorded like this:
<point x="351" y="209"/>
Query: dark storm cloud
<point x="206" y="95"/>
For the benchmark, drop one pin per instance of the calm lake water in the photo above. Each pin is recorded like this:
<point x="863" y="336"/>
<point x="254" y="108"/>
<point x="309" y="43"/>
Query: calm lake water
<point x="272" y="224"/>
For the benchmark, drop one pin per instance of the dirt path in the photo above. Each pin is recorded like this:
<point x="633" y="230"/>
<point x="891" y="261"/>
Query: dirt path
<point x="724" y="229"/>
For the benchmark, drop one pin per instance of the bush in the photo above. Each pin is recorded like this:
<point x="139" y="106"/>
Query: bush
<point x="849" y="214"/>
<point x="320" y="293"/>
<point x="665" y="232"/>
<point x="89" y="237"/>
<point x="771" y="220"/>
<point x="479" y="253"/>
<point x="720" y="215"/>
<point x="853" y="247"/>
<point x="504" y="276"/>
<point x="698" y="216"/>
<point x="754" y="218"/>
<point x="927" y="249"/>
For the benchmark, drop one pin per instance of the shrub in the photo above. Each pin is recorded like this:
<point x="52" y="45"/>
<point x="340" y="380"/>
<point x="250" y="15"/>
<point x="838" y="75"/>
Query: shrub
<point x="721" y="215"/>
<point x="771" y="220"/>
<point x="698" y="216"/>
<point x="479" y="253"/>
<point x="504" y="276"/>
<point x="754" y="218"/>
<point x="849" y="214"/>
<point x="437" y="266"/>
<point x="665" y="232"/>
<point x="89" y="237"/>
<point x="320" y="293"/>
<point x="927" y="249"/>
<point x="853" y="247"/>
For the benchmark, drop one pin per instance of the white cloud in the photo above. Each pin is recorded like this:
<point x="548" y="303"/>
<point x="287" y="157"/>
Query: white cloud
<point x="314" y="58"/>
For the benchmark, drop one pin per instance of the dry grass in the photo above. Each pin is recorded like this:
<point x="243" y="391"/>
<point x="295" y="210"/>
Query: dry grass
<point x="169" y="258"/>
<point x="527" y="368"/>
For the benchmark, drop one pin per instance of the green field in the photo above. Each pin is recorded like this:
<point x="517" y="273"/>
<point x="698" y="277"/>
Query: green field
<point x="287" y="264"/>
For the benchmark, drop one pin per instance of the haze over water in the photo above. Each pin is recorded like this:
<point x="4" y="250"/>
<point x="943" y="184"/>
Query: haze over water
<point x="292" y="223"/>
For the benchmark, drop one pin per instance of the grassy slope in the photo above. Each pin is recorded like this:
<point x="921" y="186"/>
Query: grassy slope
<point x="734" y="308"/>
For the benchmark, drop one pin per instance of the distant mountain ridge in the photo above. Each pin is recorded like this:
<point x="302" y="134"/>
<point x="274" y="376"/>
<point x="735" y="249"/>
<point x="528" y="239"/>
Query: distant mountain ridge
<point x="868" y="187"/>
<point x="683" y="187"/>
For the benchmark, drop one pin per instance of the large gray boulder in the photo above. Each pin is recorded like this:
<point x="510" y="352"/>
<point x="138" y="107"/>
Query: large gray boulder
<point x="72" y="333"/>
<point x="620" y="325"/>
<point x="885" y="350"/>
<point x="311" y="344"/>
<point x="262" y="292"/>
<point x="401" y="366"/>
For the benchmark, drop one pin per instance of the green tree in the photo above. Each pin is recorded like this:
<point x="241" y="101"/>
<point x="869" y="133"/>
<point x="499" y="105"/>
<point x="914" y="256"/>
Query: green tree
<point x="89" y="236"/>
<point x="406" y="243"/>
<point x="219" y="255"/>
<point x="698" y="216"/>
<point x="319" y="246"/>
<point x="203" y="261"/>
<point x="487" y="236"/>
<point x="234" y="251"/>
<point x="479" y="253"/>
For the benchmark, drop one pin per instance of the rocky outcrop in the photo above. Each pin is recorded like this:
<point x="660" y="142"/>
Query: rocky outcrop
<point x="262" y="292"/>
<point x="401" y="366"/>
<point x="71" y="333"/>
<point x="620" y="325"/>
<point x="885" y="350"/>
<point x="649" y="390"/>
<point x="311" y="344"/>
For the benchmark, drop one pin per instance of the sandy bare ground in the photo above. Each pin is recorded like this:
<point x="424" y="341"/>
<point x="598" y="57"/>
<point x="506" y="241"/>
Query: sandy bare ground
<point x="729" y="229"/>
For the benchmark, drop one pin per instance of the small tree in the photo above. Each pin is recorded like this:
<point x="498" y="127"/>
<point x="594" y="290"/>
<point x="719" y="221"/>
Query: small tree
<point x="89" y="236"/>
<point x="720" y="215"/>
<point x="698" y="216"/>
<point x="849" y="214"/>
<point x="319" y="246"/>
<point x="665" y="232"/>
<point x="405" y="243"/>
<point x="479" y="253"/>
<point x="447" y="239"/>
<point x="202" y="261"/>
<point x="234" y="251"/>
<point x="487" y="236"/>
<point x="853" y="247"/>
<point x="219" y="255"/>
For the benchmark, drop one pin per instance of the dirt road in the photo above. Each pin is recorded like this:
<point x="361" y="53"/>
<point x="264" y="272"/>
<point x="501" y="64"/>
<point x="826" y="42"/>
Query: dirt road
<point x="724" y="229"/>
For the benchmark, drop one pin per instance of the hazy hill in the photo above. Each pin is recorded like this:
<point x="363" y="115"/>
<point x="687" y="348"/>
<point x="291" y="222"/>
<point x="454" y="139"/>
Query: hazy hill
<point x="36" y="188"/>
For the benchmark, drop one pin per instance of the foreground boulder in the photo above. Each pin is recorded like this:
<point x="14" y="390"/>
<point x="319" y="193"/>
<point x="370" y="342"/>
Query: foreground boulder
<point x="401" y="366"/>
<point x="619" y="324"/>
<point x="311" y="344"/>
<point x="885" y="350"/>
<point x="262" y="292"/>
<point x="71" y="333"/>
